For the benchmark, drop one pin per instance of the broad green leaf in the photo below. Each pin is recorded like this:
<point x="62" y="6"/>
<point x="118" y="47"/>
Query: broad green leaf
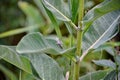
<point x="58" y="8"/>
<point x="102" y="30"/>
<point x="9" y="54"/>
<point x="47" y="15"/>
<point x="35" y="42"/>
<point x="112" y="76"/>
<point x="8" y="73"/>
<point x="100" y="10"/>
<point x="61" y="11"/>
<point x="54" y="22"/>
<point x="117" y="59"/>
<point x="26" y="76"/>
<point x="109" y="47"/>
<point x="110" y="50"/>
<point x="46" y="67"/>
<point x="105" y="63"/>
<point x="98" y="75"/>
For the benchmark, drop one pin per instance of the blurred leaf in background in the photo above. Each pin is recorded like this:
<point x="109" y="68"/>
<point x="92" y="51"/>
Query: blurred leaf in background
<point x="11" y="17"/>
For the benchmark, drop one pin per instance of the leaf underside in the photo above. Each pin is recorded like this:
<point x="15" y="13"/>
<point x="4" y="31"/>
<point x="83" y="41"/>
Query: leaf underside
<point x="102" y="30"/>
<point x="105" y="63"/>
<point x="45" y="66"/>
<point x="9" y="54"/>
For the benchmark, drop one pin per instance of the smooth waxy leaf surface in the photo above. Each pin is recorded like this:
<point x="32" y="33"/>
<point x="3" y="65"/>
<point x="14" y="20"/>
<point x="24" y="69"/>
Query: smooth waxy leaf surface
<point x="46" y="67"/>
<point x="98" y="75"/>
<point x="35" y="42"/>
<point x="9" y="54"/>
<point x="105" y="63"/>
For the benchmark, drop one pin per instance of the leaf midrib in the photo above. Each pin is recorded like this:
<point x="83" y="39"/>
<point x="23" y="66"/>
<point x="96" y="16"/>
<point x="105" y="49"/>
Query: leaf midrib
<point x="58" y="11"/>
<point x="85" y="52"/>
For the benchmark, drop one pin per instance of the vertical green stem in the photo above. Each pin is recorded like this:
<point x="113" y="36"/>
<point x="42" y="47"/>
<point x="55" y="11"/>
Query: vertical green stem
<point x="71" y="61"/>
<point x="79" y="39"/>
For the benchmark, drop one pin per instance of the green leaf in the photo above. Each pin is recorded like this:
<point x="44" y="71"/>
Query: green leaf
<point x="88" y="66"/>
<point x="100" y="10"/>
<point x="26" y="76"/>
<point x="74" y="8"/>
<point x="105" y="63"/>
<point x="9" y="54"/>
<point x="102" y="30"/>
<point x="41" y="9"/>
<point x="58" y="8"/>
<point x="18" y="31"/>
<point x="117" y="59"/>
<point x="32" y="13"/>
<point x="46" y="67"/>
<point x="98" y="75"/>
<point x="113" y="44"/>
<point x="35" y="42"/>
<point x="54" y="22"/>
<point x="111" y="76"/>
<point x="69" y="28"/>
<point x="8" y="73"/>
<point x="110" y="50"/>
<point x="61" y="11"/>
<point x="108" y="46"/>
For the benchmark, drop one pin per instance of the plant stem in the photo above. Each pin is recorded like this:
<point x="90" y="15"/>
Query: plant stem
<point x="79" y="39"/>
<point x="73" y="25"/>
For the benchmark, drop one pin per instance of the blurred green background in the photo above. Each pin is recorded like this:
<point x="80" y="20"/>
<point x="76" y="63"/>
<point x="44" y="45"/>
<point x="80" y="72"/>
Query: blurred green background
<point x="12" y="17"/>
